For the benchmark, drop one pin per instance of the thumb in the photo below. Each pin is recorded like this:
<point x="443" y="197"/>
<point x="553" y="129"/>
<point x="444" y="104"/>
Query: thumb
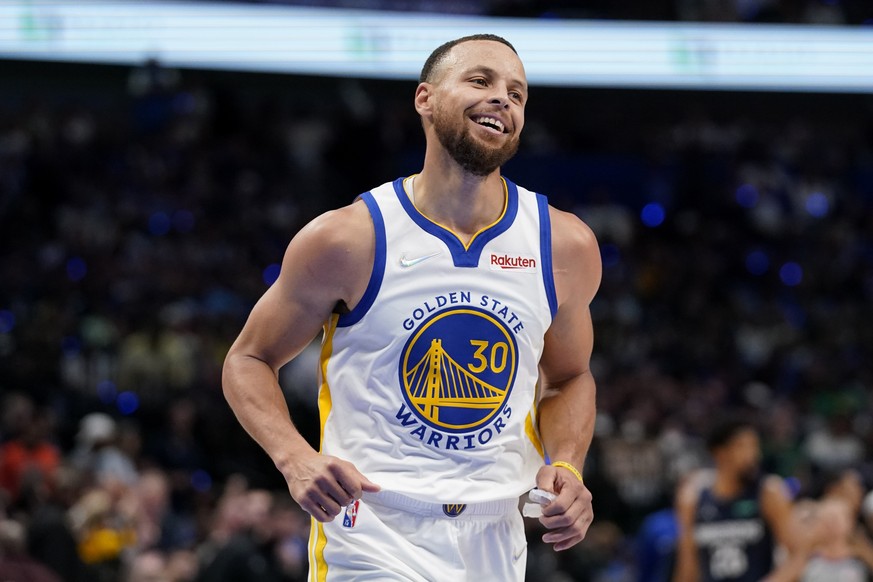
<point x="547" y="479"/>
<point x="369" y="486"/>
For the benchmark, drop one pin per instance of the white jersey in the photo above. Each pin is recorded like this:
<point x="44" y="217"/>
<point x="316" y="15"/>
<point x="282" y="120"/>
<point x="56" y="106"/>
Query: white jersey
<point x="429" y="384"/>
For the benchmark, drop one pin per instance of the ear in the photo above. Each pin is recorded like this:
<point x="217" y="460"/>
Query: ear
<point x="423" y="104"/>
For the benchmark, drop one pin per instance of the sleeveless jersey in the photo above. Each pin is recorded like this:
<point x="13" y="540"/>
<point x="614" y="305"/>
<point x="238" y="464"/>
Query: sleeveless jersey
<point x="428" y="385"/>
<point x="733" y="540"/>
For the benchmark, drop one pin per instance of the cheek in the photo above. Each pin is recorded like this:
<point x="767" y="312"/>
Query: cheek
<point x="519" y="122"/>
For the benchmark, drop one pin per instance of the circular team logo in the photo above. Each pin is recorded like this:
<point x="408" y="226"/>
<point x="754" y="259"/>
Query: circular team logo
<point x="457" y="369"/>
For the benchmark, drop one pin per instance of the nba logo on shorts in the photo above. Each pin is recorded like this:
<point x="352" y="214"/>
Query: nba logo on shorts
<point x="351" y="514"/>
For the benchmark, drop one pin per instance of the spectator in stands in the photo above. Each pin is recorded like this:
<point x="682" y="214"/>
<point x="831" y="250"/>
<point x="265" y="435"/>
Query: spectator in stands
<point x="15" y="564"/>
<point x="31" y="456"/>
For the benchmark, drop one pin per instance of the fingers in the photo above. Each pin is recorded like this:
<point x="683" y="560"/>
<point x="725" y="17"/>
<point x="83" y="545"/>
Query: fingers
<point x="352" y="481"/>
<point x="331" y="485"/>
<point x="556" y="515"/>
<point x="320" y="506"/>
<point x="569" y="535"/>
<point x="568" y="516"/>
<point x="564" y="539"/>
<point x="562" y="503"/>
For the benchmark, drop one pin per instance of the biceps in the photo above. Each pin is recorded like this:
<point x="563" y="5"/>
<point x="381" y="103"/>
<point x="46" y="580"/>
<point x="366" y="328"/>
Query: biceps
<point x="282" y="323"/>
<point x="568" y="344"/>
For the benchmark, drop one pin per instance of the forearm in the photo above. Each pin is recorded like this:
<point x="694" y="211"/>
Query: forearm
<point x="566" y="416"/>
<point x="863" y="548"/>
<point x="791" y="569"/>
<point x="252" y="390"/>
<point x="686" y="562"/>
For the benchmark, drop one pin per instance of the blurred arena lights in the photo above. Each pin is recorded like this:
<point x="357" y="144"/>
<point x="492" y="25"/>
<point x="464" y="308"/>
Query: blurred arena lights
<point x="7" y="321"/>
<point x="747" y="196"/>
<point x="817" y="204"/>
<point x="653" y="214"/>
<point x="201" y="481"/>
<point x="271" y="273"/>
<point x="76" y="269"/>
<point x="127" y="403"/>
<point x="791" y="274"/>
<point x="106" y="391"/>
<point x="159" y="224"/>
<point x="183" y="221"/>
<point x="71" y="345"/>
<point x="610" y="255"/>
<point x="757" y="262"/>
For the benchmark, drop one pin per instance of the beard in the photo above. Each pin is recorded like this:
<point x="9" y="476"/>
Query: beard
<point x="472" y="155"/>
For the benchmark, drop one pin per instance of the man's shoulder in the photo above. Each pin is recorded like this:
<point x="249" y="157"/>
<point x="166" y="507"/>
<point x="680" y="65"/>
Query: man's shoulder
<point x="340" y="228"/>
<point x="334" y="250"/>
<point x="569" y="229"/>
<point x="772" y="485"/>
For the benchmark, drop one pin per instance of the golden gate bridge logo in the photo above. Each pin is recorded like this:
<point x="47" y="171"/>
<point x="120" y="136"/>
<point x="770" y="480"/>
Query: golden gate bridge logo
<point x="457" y="369"/>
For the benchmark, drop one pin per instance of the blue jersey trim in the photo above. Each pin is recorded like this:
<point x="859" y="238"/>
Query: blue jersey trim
<point x="375" y="283"/>
<point x="546" y="253"/>
<point x="461" y="256"/>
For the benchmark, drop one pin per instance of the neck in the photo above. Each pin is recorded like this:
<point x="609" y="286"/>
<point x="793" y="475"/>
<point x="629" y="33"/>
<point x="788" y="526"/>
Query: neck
<point x="457" y="199"/>
<point x="727" y="484"/>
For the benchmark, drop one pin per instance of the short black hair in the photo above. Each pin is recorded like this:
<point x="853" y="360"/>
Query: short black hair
<point x="725" y="430"/>
<point x="827" y="479"/>
<point x="441" y="51"/>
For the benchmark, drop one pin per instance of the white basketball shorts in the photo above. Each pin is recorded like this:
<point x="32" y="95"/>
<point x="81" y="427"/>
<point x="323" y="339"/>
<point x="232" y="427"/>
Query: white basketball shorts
<point x="387" y="536"/>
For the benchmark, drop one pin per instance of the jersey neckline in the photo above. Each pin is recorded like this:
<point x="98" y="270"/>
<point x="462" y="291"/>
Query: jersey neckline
<point x="462" y="255"/>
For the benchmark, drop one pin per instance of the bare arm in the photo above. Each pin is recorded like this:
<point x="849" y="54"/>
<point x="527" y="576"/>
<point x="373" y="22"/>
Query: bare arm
<point x="567" y="408"/>
<point x="776" y="509"/>
<point x="327" y="263"/>
<point x="862" y="547"/>
<point x="809" y="531"/>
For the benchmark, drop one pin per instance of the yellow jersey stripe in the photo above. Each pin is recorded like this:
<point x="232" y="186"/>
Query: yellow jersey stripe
<point x="313" y="531"/>
<point x="317" y="538"/>
<point x="318" y="567"/>
<point x="324" y="399"/>
<point x="531" y="431"/>
<point x="530" y="423"/>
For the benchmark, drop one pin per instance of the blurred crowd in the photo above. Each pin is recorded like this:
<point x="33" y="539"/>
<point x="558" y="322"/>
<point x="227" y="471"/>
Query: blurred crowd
<point x="140" y="221"/>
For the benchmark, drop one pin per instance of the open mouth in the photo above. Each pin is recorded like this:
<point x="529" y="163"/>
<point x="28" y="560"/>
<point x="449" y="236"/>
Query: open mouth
<point x="491" y="123"/>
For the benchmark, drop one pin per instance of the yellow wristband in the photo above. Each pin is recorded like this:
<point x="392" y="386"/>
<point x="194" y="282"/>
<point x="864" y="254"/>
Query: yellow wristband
<point x="569" y="467"/>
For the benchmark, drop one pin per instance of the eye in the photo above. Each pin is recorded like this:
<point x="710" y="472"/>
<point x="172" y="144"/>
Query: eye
<point x="480" y="81"/>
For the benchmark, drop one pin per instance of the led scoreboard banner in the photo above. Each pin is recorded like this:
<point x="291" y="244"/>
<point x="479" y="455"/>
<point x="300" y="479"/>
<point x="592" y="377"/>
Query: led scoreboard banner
<point x="370" y="44"/>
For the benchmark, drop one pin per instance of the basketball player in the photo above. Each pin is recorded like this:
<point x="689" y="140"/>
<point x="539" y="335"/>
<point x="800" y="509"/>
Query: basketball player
<point x="731" y="521"/>
<point x="446" y="298"/>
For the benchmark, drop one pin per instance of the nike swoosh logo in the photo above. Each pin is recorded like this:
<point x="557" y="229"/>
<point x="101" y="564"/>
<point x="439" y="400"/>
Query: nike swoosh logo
<point x="406" y="262"/>
<point x="518" y="556"/>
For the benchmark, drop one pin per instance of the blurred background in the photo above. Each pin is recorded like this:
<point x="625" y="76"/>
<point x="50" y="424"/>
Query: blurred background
<point x="147" y="195"/>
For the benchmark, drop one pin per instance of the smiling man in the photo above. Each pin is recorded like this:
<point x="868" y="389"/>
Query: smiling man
<point x="455" y="355"/>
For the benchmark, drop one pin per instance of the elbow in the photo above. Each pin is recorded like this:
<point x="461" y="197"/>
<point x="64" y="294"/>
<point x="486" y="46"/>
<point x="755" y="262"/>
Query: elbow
<point x="242" y="368"/>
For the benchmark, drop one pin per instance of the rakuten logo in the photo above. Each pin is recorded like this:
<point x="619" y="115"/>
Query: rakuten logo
<point x="506" y="262"/>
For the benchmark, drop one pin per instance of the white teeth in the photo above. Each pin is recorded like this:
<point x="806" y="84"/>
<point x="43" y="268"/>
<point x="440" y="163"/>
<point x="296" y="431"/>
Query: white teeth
<point x="492" y="121"/>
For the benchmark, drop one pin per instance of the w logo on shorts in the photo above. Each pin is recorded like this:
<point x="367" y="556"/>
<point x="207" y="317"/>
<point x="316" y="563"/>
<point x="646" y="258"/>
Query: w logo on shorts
<point x="351" y="515"/>
<point x="454" y="509"/>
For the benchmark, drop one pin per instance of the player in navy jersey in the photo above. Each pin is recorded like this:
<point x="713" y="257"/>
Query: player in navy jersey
<point x="731" y="519"/>
<point x="455" y="358"/>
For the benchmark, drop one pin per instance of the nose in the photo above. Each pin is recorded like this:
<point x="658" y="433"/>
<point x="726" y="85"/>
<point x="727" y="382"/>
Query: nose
<point x="500" y="96"/>
<point x="501" y="101"/>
